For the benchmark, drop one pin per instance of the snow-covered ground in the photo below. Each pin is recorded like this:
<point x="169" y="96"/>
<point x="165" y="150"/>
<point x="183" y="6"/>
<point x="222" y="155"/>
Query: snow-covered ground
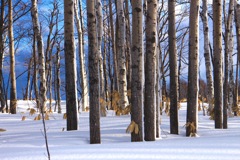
<point x="24" y="140"/>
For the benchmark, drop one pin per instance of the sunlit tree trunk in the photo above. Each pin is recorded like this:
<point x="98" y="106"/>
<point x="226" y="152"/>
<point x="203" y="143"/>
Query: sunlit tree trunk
<point x="192" y="101"/>
<point x="122" y="72"/>
<point x="173" y="68"/>
<point x="13" y="87"/>
<point x="41" y="57"/>
<point x="217" y="51"/>
<point x="137" y="69"/>
<point x="210" y="88"/>
<point x="70" y="66"/>
<point x="150" y="72"/>
<point x="93" y="73"/>
<point x="84" y="84"/>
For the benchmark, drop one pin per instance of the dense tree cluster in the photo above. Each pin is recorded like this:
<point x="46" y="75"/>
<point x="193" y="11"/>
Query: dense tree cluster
<point x="135" y="57"/>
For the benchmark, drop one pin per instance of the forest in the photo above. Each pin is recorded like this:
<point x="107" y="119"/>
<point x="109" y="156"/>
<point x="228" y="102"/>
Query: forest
<point x="149" y="60"/>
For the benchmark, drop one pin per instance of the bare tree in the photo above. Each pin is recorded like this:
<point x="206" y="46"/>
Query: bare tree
<point x="210" y="88"/>
<point x="217" y="51"/>
<point x="83" y="72"/>
<point x="41" y="56"/>
<point x="237" y="25"/>
<point x="173" y="68"/>
<point x="150" y="72"/>
<point x="192" y="101"/>
<point x="99" y="37"/>
<point x="70" y="66"/>
<point x="58" y="79"/>
<point x="122" y="72"/>
<point x="26" y="95"/>
<point x="13" y="87"/>
<point x="137" y="69"/>
<point x="93" y="74"/>
<point x="128" y="45"/>
<point x="2" y="17"/>
<point x="226" y="62"/>
<point x="114" y="50"/>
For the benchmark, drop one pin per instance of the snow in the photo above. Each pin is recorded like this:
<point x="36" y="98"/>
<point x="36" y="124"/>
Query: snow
<point x="24" y="140"/>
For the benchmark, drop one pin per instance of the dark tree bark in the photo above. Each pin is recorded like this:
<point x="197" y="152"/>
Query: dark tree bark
<point x="70" y="66"/>
<point x="58" y="80"/>
<point x="150" y="72"/>
<point x="192" y="102"/>
<point x="93" y="74"/>
<point x="173" y="68"/>
<point x="217" y="51"/>
<point x="2" y="99"/>
<point x="137" y="70"/>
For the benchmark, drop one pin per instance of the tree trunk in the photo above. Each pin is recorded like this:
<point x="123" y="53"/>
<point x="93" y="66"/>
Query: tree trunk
<point x="35" y="70"/>
<point x="231" y="78"/>
<point x="41" y="57"/>
<point x="157" y="91"/>
<point x="217" y="51"/>
<point x="99" y="37"/>
<point x="228" y="49"/>
<point x="173" y="69"/>
<point x="128" y="45"/>
<point x="192" y="101"/>
<point x="150" y="72"/>
<point x="237" y="24"/>
<point x="137" y="70"/>
<point x="70" y="66"/>
<point x="83" y="72"/>
<point x="210" y="88"/>
<point x="114" y="51"/>
<point x="26" y="96"/>
<point x="13" y="87"/>
<point x="2" y="99"/>
<point x="122" y="72"/>
<point x="58" y="80"/>
<point x="93" y="74"/>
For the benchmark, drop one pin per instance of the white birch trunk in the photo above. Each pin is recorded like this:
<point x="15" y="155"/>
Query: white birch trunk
<point x="208" y="66"/>
<point x="41" y="56"/>
<point x="84" y="84"/>
<point x="121" y="56"/>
